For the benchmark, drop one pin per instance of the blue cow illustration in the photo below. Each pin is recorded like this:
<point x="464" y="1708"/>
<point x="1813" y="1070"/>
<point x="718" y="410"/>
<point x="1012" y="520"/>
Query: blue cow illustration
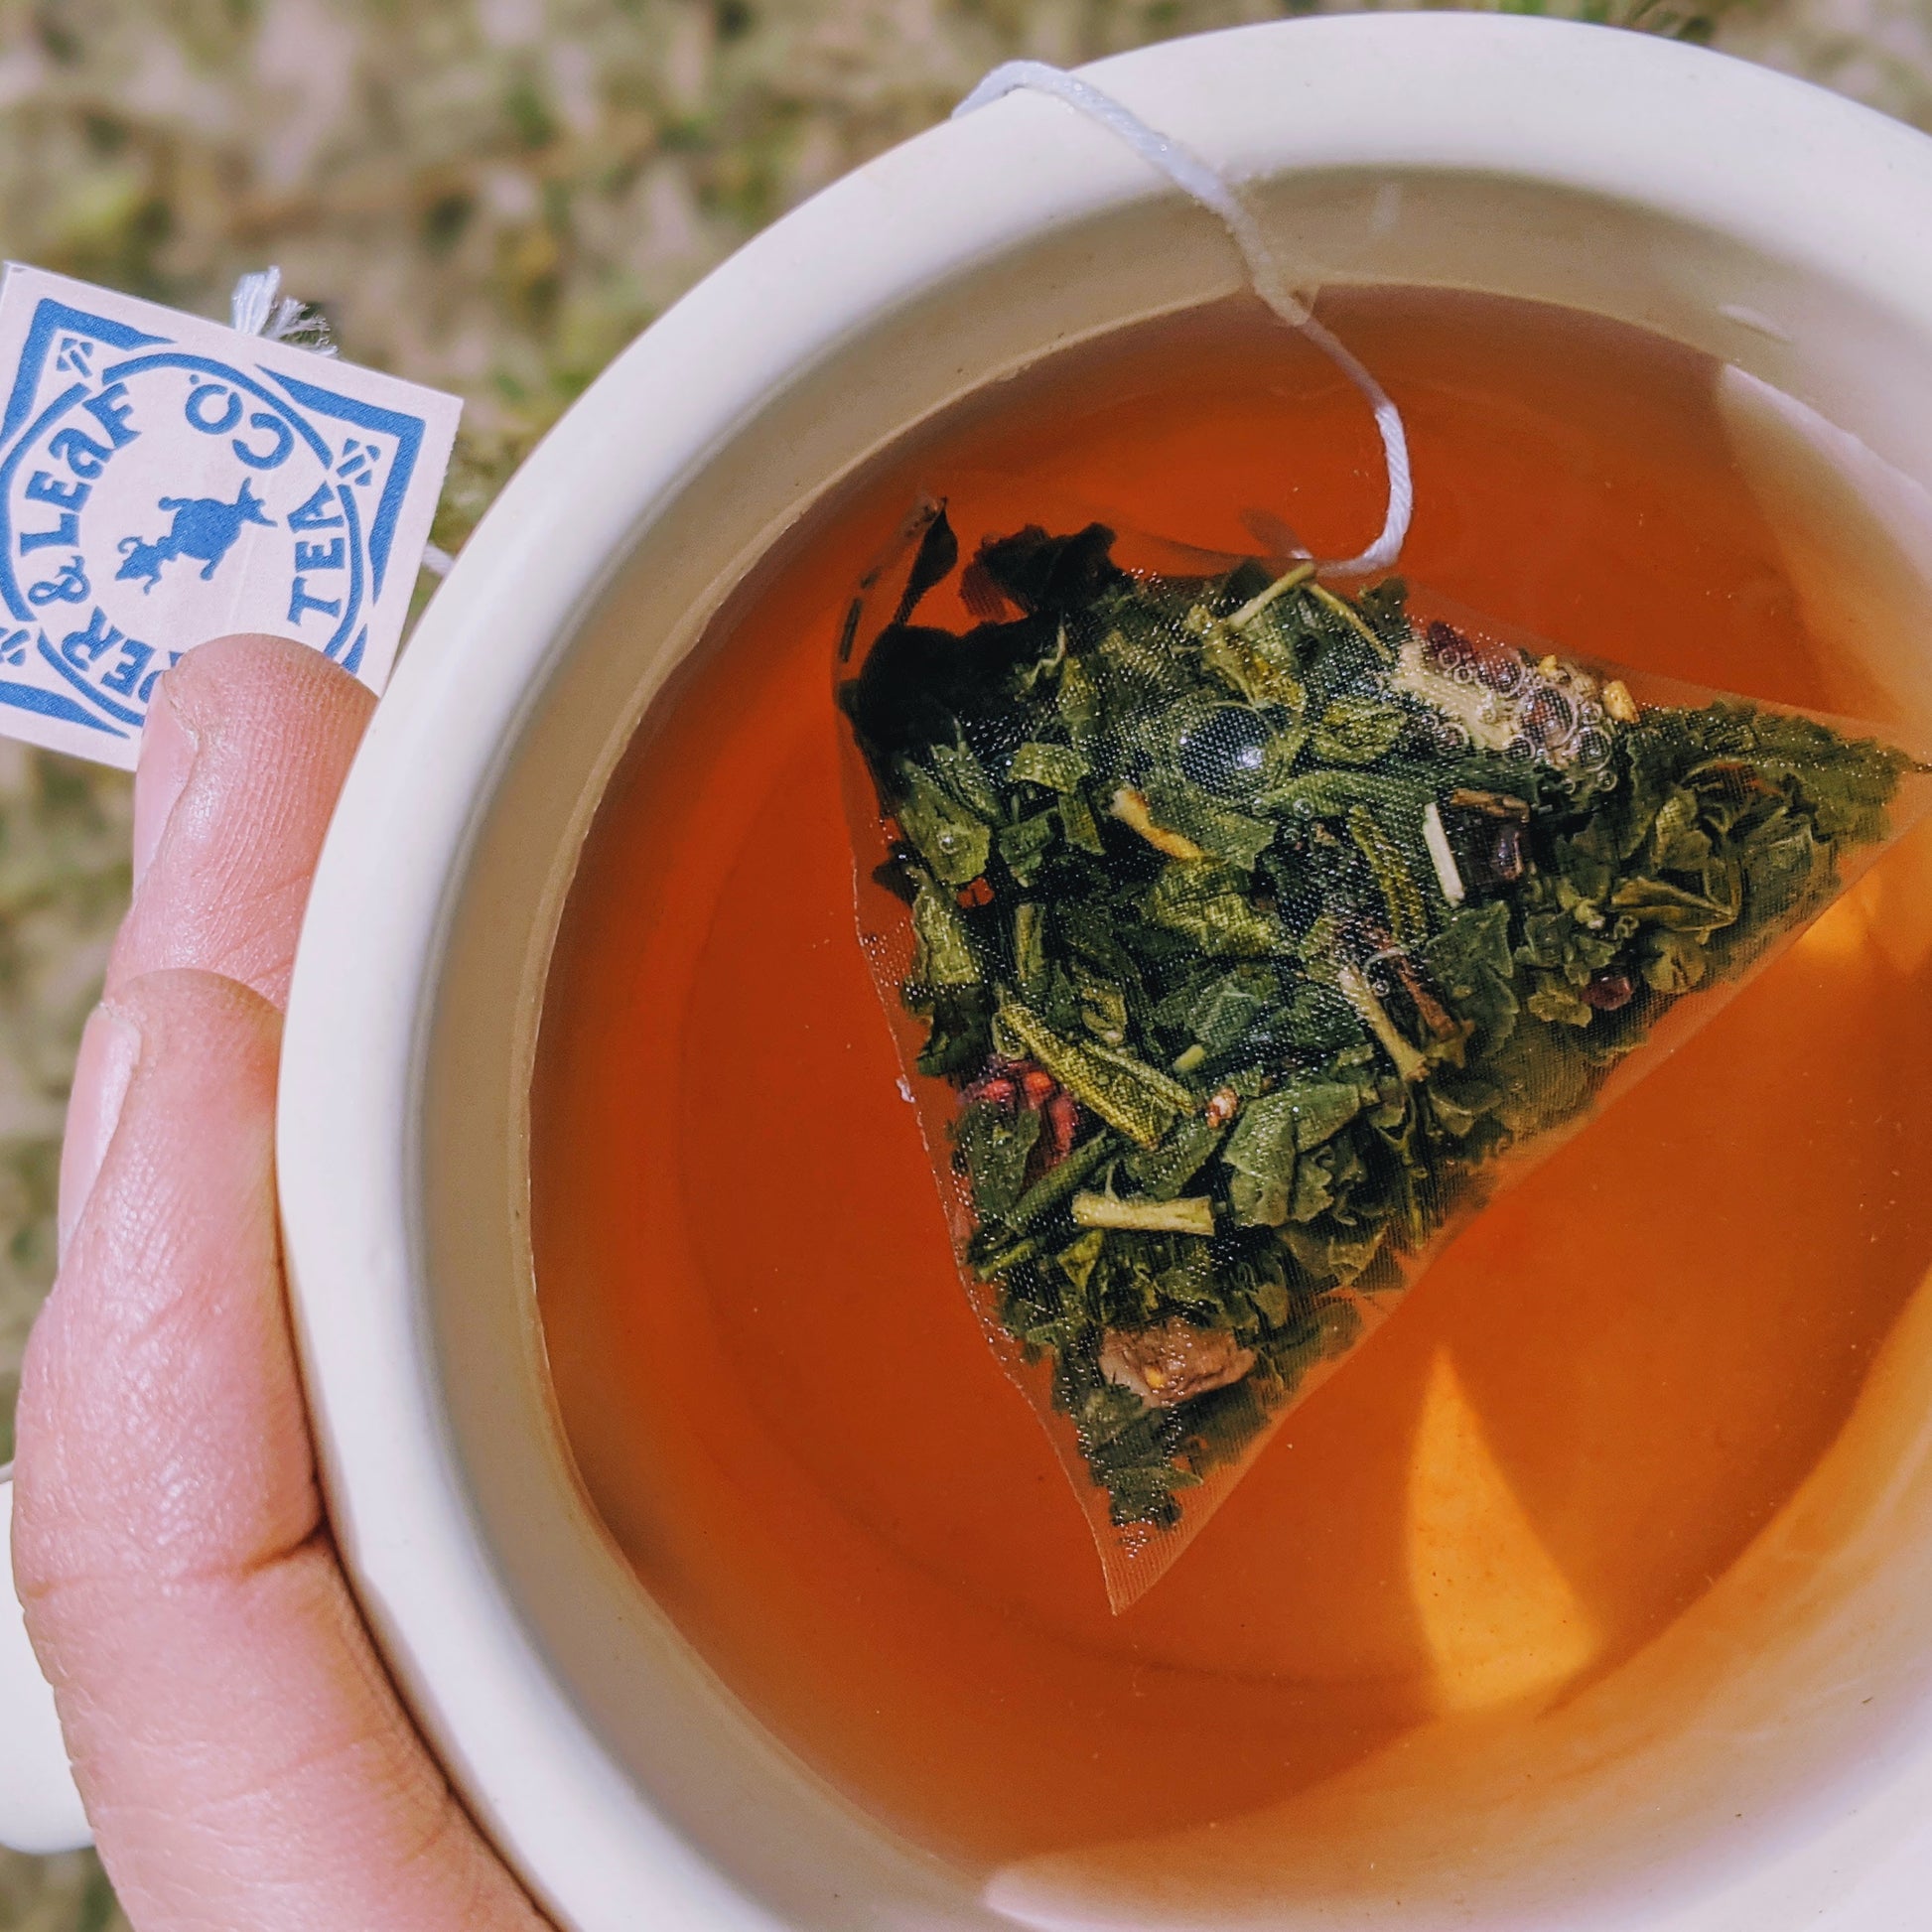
<point x="203" y="527"/>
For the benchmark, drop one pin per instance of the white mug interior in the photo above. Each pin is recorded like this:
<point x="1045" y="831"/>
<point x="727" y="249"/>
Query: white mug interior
<point x="1778" y="1737"/>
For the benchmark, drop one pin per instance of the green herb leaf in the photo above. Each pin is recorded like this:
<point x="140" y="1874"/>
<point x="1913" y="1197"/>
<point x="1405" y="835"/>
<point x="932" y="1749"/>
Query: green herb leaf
<point x="1125" y="1092"/>
<point x="945" y="955"/>
<point x="1060" y="768"/>
<point x="994" y="1144"/>
<point x="1359" y="729"/>
<point x="1400" y="894"/>
<point x="1164" y="1170"/>
<point x="954" y="843"/>
<point x="1204" y="901"/>
<point x="1025" y="845"/>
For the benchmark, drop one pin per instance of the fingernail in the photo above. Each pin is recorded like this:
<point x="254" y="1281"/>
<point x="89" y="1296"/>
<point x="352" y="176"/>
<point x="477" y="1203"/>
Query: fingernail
<point x="167" y="756"/>
<point x="110" y="1044"/>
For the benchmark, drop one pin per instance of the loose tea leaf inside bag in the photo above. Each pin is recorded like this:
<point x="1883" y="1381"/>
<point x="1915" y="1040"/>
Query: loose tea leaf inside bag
<point x="1246" y="936"/>
<point x="1246" y="930"/>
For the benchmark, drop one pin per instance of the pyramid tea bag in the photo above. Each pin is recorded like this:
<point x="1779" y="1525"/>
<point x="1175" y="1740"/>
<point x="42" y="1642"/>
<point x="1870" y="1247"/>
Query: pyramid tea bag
<point x="1244" y="932"/>
<point x="1245" y="936"/>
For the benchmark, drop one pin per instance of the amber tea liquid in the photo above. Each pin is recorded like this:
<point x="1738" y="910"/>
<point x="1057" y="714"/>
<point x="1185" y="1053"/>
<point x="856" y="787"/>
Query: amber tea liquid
<point x="773" y="1382"/>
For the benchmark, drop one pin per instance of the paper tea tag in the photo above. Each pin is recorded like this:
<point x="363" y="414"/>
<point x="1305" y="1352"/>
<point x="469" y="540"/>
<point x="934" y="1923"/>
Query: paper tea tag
<point x="165" y="480"/>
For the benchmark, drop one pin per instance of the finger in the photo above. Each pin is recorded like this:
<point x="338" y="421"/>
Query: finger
<point x="101" y="1071"/>
<point x="244" y="1759"/>
<point x="247" y="743"/>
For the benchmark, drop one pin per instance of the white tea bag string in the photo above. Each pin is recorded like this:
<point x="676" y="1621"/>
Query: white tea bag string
<point x="1197" y="178"/>
<point x="259" y="307"/>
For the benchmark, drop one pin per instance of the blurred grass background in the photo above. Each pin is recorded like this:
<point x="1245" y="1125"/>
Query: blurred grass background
<point x="494" y="195"/>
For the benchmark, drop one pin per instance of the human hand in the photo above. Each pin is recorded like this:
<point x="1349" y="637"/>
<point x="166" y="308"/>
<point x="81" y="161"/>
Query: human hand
<point x="244" y="1759"/>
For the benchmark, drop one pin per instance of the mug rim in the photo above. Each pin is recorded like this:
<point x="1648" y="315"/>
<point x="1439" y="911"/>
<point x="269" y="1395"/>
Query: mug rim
<point x="1642" y="120"/>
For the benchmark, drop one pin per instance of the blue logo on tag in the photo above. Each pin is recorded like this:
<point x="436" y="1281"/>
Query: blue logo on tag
<point x="203" y="527"/>
<point x="152" y="496"/>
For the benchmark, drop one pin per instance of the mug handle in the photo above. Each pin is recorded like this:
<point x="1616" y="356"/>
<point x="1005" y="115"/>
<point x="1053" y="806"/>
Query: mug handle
<point x="39" y="1809"/>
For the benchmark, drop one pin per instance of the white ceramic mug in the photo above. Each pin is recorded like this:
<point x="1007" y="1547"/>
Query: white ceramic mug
<point x="1783" y="1782"/>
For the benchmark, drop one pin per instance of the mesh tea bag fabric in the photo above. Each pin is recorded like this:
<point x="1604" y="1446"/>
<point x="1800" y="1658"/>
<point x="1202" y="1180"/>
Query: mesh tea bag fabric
<point x="1245" y="931"/>
<point x="1244" y="936"/>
